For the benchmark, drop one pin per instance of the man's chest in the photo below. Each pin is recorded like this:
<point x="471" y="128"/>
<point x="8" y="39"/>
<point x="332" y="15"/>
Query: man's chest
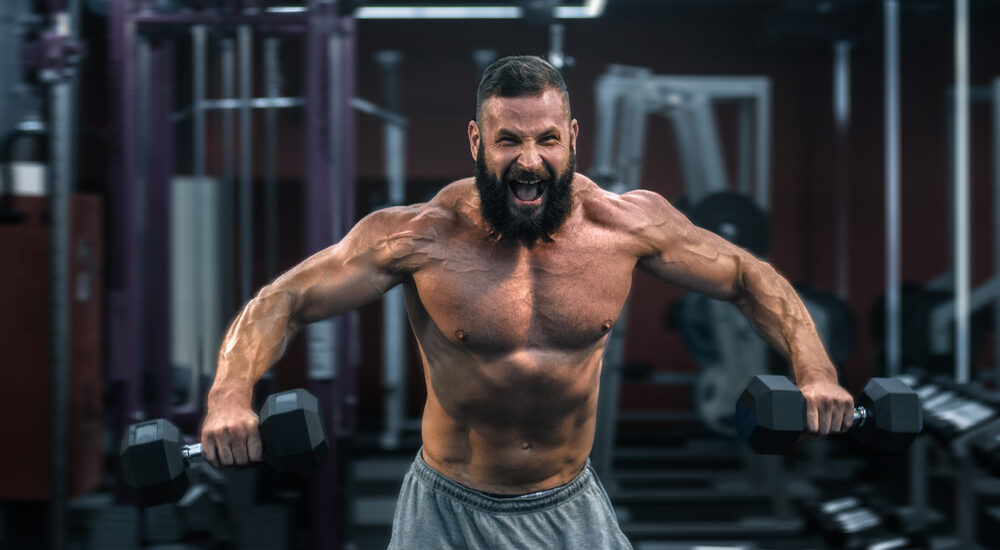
<point x="567" y="296"/>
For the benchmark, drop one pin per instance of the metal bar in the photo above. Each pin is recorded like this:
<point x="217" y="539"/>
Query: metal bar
<point x="996" y="221"/>
<point x="763" y="142"/>
<point x="393" y="309"/>
<point x="273" y="82"/>
<point x="60" y="176"/>
<point x="124" y="307"/>
<point x="607" y="100"/>
<point x="842" y="118"/>
<point x="695" y="186"/>
<point x="199" y="63"/>
<point x="892" y="189"/>
<point x="706" y="139"/>
<point x="227" y="186"/>
<point x="215" y="20"/>
<point x="159" y="173"/>
<point x="318" y="201"/>
<point x="744" y="146"/>
<point x="140" y="204"/>
<point x="557" y="32"/>
<point x="245" y="45"/>
<point x="961" y="216"/>
<point x="632" y="152"/>
<point x="384" y="114"/>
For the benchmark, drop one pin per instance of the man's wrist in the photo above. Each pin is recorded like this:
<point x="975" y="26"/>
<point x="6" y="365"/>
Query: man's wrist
<point x="233" y="393"/>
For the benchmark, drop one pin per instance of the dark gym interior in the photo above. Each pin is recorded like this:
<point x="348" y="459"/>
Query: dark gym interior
<point x="162" y="160"/>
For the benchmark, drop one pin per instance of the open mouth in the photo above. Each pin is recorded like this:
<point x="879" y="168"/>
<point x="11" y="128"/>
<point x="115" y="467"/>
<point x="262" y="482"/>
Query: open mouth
<point x="527" y="191"/>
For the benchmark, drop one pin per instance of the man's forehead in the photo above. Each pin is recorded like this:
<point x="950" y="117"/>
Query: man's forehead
<point x="526" y="112"/>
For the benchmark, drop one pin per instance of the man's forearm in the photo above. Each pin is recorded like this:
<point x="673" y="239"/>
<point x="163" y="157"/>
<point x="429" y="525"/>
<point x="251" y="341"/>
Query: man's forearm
<point x="775" y="309"/>
<point x="256" y="340"/>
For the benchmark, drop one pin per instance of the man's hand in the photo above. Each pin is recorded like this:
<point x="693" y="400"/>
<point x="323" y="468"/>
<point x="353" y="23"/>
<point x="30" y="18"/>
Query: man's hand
<point x="829" y="408"/>
<point x="230" y="434"/>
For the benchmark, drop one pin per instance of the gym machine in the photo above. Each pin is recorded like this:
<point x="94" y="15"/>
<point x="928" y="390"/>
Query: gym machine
<point x="626" y="97"/>
<point x="144" y="41"/>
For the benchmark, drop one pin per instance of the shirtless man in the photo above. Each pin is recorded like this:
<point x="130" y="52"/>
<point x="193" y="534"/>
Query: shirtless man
<point x="513" y="279"/>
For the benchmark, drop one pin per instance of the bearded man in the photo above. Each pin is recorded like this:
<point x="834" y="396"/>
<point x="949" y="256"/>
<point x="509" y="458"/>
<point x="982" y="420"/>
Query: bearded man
<point x="513" y="281"/>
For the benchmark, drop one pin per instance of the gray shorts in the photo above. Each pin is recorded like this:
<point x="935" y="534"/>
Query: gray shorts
<point x="434" y="512"/>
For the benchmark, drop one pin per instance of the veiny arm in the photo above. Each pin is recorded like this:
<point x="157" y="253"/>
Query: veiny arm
<point x="372" y="258"/>
<point x="686" y="255"/>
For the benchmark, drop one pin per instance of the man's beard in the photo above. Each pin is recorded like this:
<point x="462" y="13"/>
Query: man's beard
<point x="525" y="223"/>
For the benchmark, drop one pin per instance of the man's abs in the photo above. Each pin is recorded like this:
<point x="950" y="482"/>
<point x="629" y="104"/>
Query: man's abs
<point x="506" y="429"/>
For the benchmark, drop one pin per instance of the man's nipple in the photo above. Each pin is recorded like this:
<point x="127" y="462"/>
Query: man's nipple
<point x="461" y="335"/>
<point x="606" y="326"/>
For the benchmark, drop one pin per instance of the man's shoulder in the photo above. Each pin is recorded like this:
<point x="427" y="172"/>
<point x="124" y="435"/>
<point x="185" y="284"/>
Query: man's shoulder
<point x="631" y="211"/>
<point x="450" y="207"/>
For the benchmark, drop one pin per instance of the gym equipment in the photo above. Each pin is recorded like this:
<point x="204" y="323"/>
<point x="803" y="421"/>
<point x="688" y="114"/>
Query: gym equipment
<point x="154" y="458"/>
<point x="927" y="326"/>
<point x="849" y="522"/>
<point x="771" y="415"/>
<point x="736" y="217"/>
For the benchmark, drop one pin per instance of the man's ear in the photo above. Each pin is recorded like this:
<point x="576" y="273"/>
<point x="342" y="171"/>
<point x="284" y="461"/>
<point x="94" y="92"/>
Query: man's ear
<point x="474" y="139"/>
<point x="574" y="129"/>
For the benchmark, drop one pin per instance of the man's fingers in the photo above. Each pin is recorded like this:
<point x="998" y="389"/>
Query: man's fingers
<point x="812" y="418"/>
<point x="848" y="418"/>
<point x="254" y="446"/>
<point x="223" y="446"/>
<point x="824" y="420"/>
<point x="208" y="449"/>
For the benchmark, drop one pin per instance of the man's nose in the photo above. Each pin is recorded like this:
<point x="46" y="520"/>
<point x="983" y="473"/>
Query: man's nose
<point x="529" y="159"/>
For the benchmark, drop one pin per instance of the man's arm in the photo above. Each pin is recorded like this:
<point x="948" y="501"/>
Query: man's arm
<point x="686" y="255"/>
<point x="372" y="258"/>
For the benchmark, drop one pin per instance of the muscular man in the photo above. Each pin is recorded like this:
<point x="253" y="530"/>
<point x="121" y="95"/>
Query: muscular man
<point x="513" y="280"/>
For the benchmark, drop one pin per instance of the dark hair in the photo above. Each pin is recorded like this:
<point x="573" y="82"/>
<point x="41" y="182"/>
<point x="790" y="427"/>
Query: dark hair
<point x="517" y="76"/>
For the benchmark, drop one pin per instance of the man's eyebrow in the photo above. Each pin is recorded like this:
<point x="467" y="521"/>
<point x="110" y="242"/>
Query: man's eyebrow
<point x="506" y="132"/>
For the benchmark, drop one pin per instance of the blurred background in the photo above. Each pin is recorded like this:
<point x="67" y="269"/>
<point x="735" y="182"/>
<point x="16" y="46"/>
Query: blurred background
<point x="160" y="160"/>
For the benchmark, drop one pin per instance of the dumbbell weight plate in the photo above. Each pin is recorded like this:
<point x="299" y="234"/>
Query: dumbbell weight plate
<point x="287" y="447"/>
<point x="156" y="447"/>
<point x="895" y="416"/>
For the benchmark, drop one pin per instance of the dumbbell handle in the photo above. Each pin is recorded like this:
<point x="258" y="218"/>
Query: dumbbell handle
<point x="860" y="416"/>
<point x="192" y="454"/>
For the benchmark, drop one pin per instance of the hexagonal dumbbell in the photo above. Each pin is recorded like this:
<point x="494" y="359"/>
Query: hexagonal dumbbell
<point x="154" y="458"/>
<point x="771" y="415"/>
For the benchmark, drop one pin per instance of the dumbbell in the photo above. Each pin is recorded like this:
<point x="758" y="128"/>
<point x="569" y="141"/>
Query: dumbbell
<point x="154" y="458"/>
<point x="771" y="415"/>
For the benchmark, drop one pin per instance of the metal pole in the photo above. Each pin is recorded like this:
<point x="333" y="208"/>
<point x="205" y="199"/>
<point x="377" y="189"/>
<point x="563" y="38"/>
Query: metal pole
<point x="996" y="223"/>
<point x="272" y="70"/>
<point x="393" y="308"/>
<point x="199" y="63"/>
<point x="892" y="189"/>
<point x="245" y="39"/>
<point x="961" y="217"/>
<point x="763" y="145"/>
<point x="842" y="117"/>
<point x="556" y="56"/>
<point x="60" y="185"/>
<point x="227" y="187"/>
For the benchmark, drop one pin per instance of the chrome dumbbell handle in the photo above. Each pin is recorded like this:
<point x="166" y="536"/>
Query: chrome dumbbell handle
<point x="860" y="416"/>
<point x="192" y="454"/>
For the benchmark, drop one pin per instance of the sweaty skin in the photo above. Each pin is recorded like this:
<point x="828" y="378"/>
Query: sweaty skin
<point x="511" y="333"/>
